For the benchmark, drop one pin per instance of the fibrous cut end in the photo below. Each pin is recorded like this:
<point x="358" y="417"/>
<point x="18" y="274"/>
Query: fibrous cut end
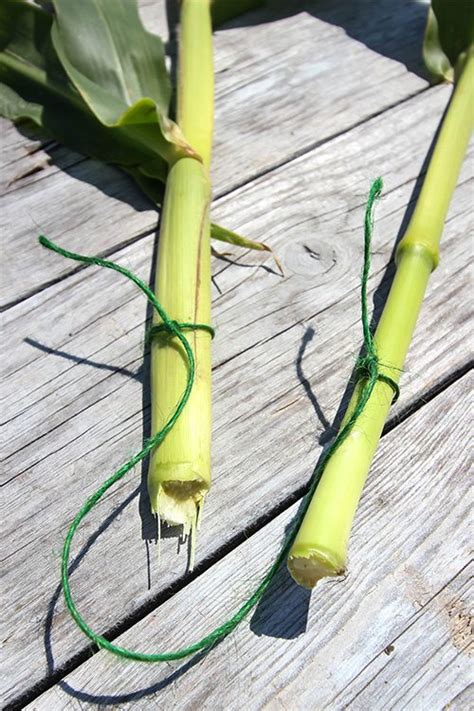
<point x="179" y="503"/>
<point x="307" y="567"/>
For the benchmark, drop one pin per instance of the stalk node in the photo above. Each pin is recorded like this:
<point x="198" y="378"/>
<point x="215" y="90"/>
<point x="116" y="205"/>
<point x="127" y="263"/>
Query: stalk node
<point x="420" y="246"/>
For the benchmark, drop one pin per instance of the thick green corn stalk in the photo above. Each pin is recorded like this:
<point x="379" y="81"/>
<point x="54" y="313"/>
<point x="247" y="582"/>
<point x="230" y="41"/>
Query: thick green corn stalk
<point x="320" y="548"/>
<point x="180" y="468"/>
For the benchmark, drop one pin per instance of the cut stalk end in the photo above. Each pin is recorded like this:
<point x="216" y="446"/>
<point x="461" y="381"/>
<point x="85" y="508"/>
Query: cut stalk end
<point x="306" y="567"/>
<point x="177" y="494"/>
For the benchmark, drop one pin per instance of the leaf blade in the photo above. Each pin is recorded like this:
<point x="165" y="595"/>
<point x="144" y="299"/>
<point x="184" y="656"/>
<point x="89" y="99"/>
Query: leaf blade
<point x="36" y="88"/>
<point x="33" y="86"/>
<point x="105" y="46"/>
<point x="224" y="235"/>
<point x="119" y="70"/>
<point x="448" y="36"/>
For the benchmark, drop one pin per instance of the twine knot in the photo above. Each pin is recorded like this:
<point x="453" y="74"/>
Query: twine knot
<point x="368" y="368"/>
<point x="174" y="328"/>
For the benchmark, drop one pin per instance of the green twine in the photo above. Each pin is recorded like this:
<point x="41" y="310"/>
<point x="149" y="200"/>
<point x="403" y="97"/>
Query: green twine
<point x="370" y="366"/>
<point x="158" y="328"/>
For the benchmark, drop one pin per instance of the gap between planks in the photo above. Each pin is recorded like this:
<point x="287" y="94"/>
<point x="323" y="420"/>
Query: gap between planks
<point x="221" y="362"/>
<point x="205" y="565"/>
<point x="252" y="178"/>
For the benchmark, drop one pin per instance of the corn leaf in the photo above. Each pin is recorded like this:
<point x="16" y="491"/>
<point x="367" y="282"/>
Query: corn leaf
<point x="34" y="87"/>
<point x="224" y="235"/>
<point x="449" y="35"/>
<point x="118" y="68"/>
<point x="114" y="60"/>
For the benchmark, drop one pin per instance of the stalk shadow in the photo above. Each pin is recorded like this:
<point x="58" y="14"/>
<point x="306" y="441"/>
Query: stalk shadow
<point x="148" y="520"/>
<point x="236" y="263"/>
<point x="78" y="360"/>
<point x="149" y="526"/>
<point x="142" y="375"/>
<point x="363" y="20"/>
<point x="305" y="341"/>
<point x="108" y="178"/>
<point x="114" y="699"/>
<point x="171" y="48"/>
<point x="283" y="610"/>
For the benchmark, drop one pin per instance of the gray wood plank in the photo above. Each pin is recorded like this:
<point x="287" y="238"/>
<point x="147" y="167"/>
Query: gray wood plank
<point x="429" y="663"/>
<point x="403" y="588"/>
<point x="74" y="423"/>
<point x="275" y="98"/>
<point x="461" y="701"/>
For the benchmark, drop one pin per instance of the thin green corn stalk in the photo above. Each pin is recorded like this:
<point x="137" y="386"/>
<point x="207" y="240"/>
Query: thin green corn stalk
<point x="320" y="548"/>
<point x="180" y="469"/>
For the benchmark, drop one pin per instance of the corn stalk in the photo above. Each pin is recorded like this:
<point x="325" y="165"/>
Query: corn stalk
<point x="320" y="548"/>
<point x="180" y="469"/>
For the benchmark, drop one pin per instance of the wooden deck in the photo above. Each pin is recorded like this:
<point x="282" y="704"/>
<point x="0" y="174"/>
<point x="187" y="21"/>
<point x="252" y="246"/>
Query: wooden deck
<point x="311" y="105"/>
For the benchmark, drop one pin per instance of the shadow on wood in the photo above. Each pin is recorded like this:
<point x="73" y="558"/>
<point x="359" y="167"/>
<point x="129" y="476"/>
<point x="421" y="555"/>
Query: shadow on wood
<point x="381" y="292"/>
<point x="366" y="21"/>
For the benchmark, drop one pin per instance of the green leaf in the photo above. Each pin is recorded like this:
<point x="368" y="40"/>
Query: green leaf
<point x="224" y="235"/>
<point x="118" y="68"/>
<point x="33" y="86"/>
<point x="114" y="60"/>
<point x="449" y="35"/>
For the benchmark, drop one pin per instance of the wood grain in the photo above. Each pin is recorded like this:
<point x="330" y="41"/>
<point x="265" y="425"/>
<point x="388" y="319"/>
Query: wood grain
<point x="340" y="104"/>
<point x="403" y="590"/>
<point x="275" y="99"/>
<point x="436" y="645"/>
<point x="72" y="423"/>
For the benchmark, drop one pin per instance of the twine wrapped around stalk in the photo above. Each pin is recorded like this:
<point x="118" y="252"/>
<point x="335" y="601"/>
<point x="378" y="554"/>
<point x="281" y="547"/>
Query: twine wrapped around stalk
<point x="369" y="371"/>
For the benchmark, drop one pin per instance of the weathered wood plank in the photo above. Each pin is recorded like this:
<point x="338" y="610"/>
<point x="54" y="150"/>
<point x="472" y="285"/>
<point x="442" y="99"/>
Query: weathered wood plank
<point x="275" y="98"/>
<point x="462" y="700"/>
<point x="296" y="653"/>
<point x="428" y="664"/>
<point x="86" y="422"/>
<point x="323" y="209"/>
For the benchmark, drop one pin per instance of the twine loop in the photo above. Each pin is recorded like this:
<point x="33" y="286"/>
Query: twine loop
<point x="171" y="328"/>
<point x="370" y="365"/>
